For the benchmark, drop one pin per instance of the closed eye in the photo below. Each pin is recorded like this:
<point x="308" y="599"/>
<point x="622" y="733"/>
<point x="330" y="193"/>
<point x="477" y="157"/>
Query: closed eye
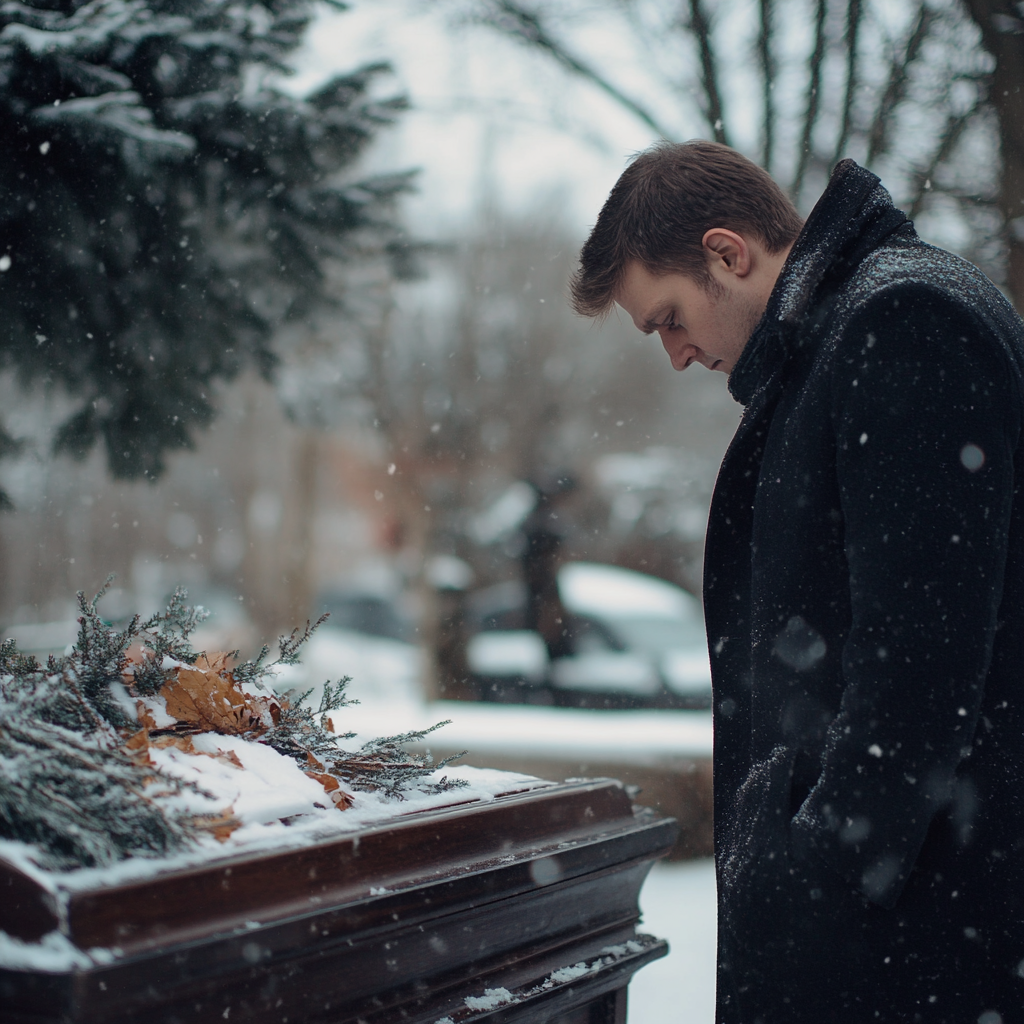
<point x="668" y="323"/>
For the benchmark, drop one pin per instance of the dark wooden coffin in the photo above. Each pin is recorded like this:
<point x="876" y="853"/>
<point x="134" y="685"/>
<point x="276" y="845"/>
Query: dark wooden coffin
<point x="532" y="896"/>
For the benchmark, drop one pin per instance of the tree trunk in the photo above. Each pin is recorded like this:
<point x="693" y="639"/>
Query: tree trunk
<point x="1001" y="29"/>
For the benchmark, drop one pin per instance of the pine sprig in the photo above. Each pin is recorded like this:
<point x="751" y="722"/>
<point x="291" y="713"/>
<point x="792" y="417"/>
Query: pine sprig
<point x="384" y="764"/>
<point x="297" y="732"/>
<point x="289" y="646"/>
<point x="380" y="765"/>
<point x="100" y="657"/>
<point x="168" y="632"/>
<point x="66" y="784"/>
<point x="256" y="672"/>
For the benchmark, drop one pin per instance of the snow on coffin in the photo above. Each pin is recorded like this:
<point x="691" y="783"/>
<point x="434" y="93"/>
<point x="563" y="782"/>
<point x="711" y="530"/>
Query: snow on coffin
<point x="523" y="908"/>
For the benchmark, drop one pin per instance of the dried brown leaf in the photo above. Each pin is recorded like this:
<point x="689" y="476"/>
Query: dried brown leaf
<point x="182" y="743"/>
<point x="220" y="826"/>
<point x="146" y="719"/>
<point x="137" y="747"/>
<point x="211" y="702"/>
<point x="228" y="757"/>
<point x="342" y="800"/>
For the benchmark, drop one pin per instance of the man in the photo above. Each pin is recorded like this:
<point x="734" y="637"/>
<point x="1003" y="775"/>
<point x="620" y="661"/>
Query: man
<point x="864" y="587"/>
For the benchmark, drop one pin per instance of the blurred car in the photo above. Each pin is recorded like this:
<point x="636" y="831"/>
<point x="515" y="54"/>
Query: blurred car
<point x="636" y="641"/>
<point x="370" y="614"/>
<point x="370" y="638"/>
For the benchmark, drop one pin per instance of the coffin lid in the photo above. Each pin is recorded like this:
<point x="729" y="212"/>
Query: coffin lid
<point x="188" y="904"/>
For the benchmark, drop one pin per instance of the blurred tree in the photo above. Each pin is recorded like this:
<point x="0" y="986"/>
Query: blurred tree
<point x="164" y="211"/>
<point x="1001" y="24"/>
<point x="905" y="87"/>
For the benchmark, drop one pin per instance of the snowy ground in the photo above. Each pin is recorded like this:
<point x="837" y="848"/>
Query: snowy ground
<point x="678" y="904"/>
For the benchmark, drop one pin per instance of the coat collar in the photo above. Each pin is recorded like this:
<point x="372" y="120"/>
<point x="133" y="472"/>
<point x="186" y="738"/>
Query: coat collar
<point x="854" y="215"/>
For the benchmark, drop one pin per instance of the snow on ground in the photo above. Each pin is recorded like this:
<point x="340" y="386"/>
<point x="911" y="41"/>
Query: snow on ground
<point x="574" y="733"/>
<point x="678" y="904"/>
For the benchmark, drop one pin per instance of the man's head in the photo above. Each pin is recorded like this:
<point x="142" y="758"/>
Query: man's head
<point x="690" y="243"/>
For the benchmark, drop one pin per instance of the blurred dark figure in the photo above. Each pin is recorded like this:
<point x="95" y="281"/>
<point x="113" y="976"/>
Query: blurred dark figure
<point x="449" y="578"/>
<point x="544" y="532"/>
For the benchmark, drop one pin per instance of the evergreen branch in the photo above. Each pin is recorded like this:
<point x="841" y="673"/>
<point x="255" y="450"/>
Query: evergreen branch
<point x="76" y="796"/>
<point x="289" y="646"/>
<point x="72" y="785"/>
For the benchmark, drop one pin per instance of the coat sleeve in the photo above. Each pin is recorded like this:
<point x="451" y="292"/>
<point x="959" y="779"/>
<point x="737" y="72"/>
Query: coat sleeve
<point x="926" y="409"/>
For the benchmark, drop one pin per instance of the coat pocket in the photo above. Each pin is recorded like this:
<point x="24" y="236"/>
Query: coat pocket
<point x="760" y="824"/>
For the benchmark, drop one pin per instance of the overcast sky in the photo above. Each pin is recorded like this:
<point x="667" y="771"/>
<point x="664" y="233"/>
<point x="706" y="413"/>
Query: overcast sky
<point x="483" y="108"/>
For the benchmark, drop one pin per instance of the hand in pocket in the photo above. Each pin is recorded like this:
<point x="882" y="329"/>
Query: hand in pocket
<point x="758" y="836"/>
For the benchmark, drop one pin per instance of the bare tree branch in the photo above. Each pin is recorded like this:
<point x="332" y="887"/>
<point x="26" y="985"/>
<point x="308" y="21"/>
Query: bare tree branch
<point x="954" y="128"/>
<point x="852" y="33"/>
<point x="700" y="25"/>
<point x="896" y="88"/>
<point x="764" y="50"/>
<point x="812" y="105"/>
<point x="516" y="21"/>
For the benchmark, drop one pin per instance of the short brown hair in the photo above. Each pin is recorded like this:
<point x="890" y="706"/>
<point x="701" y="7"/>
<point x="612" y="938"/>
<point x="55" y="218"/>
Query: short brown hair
<point x="661" y="207"/>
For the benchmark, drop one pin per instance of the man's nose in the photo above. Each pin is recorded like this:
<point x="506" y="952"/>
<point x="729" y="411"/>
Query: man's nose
<point x="680" y="352"/>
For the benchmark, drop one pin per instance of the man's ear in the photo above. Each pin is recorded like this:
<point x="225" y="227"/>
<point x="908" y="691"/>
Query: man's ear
<point x="727" y="252"/>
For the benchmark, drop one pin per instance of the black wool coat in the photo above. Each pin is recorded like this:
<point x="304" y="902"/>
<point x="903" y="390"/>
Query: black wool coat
<point x="864" y="596"/>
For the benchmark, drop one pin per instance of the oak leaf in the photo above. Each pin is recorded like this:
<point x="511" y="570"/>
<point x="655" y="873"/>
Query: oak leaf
<point x="342" y="800"/>
<point x="210" y="702"/>
<point x="137" y="747"/>
<point x="220" y="826"/>
<point x="179" y="742"/>
<point x="146" y="719"/>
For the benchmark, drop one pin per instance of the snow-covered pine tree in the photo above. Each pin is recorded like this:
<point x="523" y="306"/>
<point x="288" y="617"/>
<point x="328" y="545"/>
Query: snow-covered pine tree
<point x="163" y="210"/>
